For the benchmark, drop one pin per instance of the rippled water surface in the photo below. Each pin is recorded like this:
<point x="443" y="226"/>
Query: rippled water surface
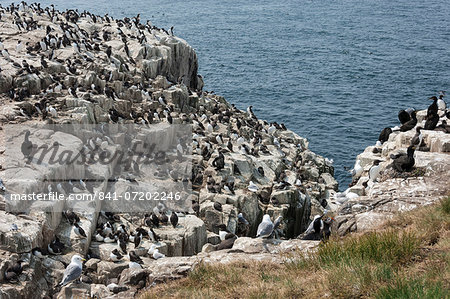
<point x="336" y="72"/>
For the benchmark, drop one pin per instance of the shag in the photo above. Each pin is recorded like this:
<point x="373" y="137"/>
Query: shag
<point x="404" y="162"/>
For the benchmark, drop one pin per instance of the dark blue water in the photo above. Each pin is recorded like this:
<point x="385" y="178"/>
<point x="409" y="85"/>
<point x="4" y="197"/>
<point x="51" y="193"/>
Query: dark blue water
<point x="336" y="72"/>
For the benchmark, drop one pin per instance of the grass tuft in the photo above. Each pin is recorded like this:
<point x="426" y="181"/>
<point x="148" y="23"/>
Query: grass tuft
<point x="413" y="289"/>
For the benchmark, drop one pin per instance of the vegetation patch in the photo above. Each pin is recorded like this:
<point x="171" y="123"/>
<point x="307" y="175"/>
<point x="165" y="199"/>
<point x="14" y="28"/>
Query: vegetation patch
<point x="408" y="258"/>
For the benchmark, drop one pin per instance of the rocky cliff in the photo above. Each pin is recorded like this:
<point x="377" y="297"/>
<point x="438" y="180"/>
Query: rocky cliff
<point x="81" y="69"/>
<point x="367" y="203"/>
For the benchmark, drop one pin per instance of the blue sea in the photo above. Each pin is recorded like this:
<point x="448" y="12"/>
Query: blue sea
<point x="335" y="72"/>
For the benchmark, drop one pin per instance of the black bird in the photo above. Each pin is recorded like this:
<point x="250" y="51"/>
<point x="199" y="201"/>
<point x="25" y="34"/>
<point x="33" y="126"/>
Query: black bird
<point x="409" y="124"/>
<point x="444" y="127"/>
<point x="227" y="243"/>
<point x="417" y="139"/>
<point x="219" y="162"/>
<point x="43" y="62"/>
<point x="174" y="219"/>
<point x="155" y="220"/>
<point x="432" y="121"/>
<point x="164" y="219"/>
<point x="13" y="271"/>
<point x="122" y="244"/>
<point x="113" y="115"/>
<point x="403" y="116"/>
<point x="261" y="170"/>
<point x="135" y="258"/>
<point x="148" y="220"/>
<point x="433" y="108"/>
<point x="109" y="51"/>
<point x="384" y="135"/>
<point x="137" y="240"/>
<point x="27" y="146"/>
<point x="71" y="217"/>
<point x="218" y="206"/>
<point x="404" y="162"/>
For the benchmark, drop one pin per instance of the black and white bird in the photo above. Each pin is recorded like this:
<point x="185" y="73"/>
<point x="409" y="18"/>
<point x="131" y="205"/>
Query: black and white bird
<point x="55" y="247"/>
<point x="115" y="255"/>
<point x="79" y="231"/>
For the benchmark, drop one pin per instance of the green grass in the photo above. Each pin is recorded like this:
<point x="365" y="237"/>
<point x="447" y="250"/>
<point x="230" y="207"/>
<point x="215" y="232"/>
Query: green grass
<point x="409" y="258"/>
<point x="385" y="247"/>
<point x="446" y="205"/>
<point x="413" y="289"/>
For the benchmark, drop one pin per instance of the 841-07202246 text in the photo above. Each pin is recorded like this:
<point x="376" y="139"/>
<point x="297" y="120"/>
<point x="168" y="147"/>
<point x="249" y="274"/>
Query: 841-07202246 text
<point x="139" y="196"/>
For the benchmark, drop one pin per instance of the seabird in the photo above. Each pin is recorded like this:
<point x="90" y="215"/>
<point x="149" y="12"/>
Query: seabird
<point x="228" y="242"/>
<point x="134" y="265"/>
<point x="71" y="217"/>
<point x="109" y="239"/>
<point x="252" y="187"/>
<point x="403" y="116"/>
<point x="174" y="219"/>
<point x="115" y="288"/>
<point x="135" y="258"/>
<point x="433" y="108"/>
<point x="107" y="228"/>
<point x="241" y="219"/>
<point x="52" y="111"/>
<point x="152" y="235"/>
<point x="122" y="244"/>
<point x="55" y="247"/>
<point x="404" y="162"/>
<point x="155" y="220"/>
<point x="313" y="230"/>
<point x="137" y="240"/>
<point x="261" y="170"/>
<point x="37" y="252"/>
<point x="417" y="139"/>
<point x="441" y="103"/>
<point x="27" y="146"/>
<point x="357" y="169"/>
<point x="265" y="228"/>
<point x="374" y="171"/>
<point x="432" y="121"/>
<point x="384" y="135"/>
<point x="157" y="255"/>
<point x="79" y="231"/>
<point x="115" y="255"/>
<point x="99" y="237"/>
<point x="222" y="234"/>
<point x="73" y="270"/>
<point x="218" y="206"/>
<point x="409" y="124"/>
<point x="162" y="101"/>
<point x="13" y="271"/>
